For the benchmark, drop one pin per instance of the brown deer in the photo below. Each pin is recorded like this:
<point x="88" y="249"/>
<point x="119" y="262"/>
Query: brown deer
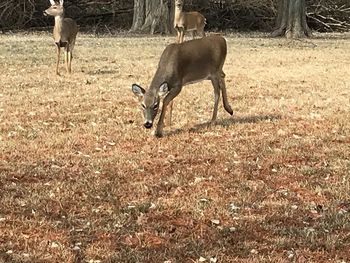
<point x="187" y="21"/>
<point x="179" y="65"/>
<point x="64" y="33"/>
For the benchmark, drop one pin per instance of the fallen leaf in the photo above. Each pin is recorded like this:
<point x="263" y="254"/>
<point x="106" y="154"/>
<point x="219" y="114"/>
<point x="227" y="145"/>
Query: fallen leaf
<point x="215" y="221"/>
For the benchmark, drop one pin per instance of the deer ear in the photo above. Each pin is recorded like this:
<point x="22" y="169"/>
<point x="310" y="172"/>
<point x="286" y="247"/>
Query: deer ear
<point x="137" y="90"/>
<point x="61" y="2"/>
<point x="163" y="90"/>
<point x="52" y="2"/>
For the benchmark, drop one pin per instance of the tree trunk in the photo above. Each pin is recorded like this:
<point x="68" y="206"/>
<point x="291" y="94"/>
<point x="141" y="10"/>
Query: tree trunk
<point x="151" y="16"/>
<point x="172" y="16"/>
<point x="291" y="19"/>
<point x="139" y="15"/>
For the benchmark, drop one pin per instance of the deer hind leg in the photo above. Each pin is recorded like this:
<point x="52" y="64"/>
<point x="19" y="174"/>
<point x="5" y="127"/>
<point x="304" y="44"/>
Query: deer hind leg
<point x="66" y="60"/>
<point x="224" y="94"/>
<point x="70" y="54"/>
<point x="216" y="84"/>
<point x="66" y="57"/>
<point x="167" y="100"/>
<point x="194" y="34"/>
<point x="202" y="32"/>
<point x="70" y="61"/>
<point x="58" y="58"/>
<point x="70" y="57"/>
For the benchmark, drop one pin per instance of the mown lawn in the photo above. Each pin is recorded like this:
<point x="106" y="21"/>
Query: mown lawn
<point x="82" y="181"/>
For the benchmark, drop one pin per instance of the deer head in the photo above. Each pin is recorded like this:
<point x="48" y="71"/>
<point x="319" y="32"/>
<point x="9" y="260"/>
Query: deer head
<point x="150" y="101"/>
<point x="56" y="9"/>
<point x="179" y="3"/>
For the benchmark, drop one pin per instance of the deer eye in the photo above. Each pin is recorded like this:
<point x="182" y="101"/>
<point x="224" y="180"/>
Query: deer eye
<point x="155" y="106"/>
<point x="143" y="106"/>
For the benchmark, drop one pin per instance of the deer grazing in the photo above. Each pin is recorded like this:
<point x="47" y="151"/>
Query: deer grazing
<point x="179" y="65"/>
<point x="64" y="33"/>
<point x="187" y="21"/>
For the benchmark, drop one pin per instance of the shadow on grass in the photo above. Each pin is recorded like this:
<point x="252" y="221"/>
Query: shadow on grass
<point x="101" y="72"/>
<point x="227" y="122"/>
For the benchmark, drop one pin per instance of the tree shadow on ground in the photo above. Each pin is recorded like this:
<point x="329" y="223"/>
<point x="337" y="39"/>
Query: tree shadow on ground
<point x="227" y="122"/>
<point x="101" y="72"/>
<point x="330" y="36"/>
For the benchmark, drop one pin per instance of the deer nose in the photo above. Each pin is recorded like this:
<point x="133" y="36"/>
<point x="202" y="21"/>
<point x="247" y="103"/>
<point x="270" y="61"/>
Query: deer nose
<point x="147" y="125"/>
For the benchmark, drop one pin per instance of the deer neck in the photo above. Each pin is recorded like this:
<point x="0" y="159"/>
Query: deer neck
<point x="177" y="16"/>
<point x="155" y="84"/>
<point x="57" y="31"/>
<point x="159" y="77"/>
<point x="178" y="10"/>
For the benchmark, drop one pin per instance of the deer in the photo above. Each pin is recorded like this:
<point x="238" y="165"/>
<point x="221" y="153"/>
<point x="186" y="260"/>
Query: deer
<point x="179" y="65"/>
<point x="64" y="33"/>
<point x="187" y="21"/>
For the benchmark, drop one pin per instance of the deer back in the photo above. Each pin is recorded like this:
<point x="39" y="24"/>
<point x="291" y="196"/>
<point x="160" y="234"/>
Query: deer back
<point x="191" y="61"/>
<point x="69" y="30"/>
<point x="194" y="20"/>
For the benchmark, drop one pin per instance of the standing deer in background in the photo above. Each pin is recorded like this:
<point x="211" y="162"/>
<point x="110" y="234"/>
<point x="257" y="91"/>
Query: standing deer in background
<point x="64" y="33"/>
<point x="187" y="21"/>
<point x="179" y="65"/>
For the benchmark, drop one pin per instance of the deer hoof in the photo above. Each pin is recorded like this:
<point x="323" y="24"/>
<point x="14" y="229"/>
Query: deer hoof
<point x="213" y="122"/>
<point x="158" y="134"/>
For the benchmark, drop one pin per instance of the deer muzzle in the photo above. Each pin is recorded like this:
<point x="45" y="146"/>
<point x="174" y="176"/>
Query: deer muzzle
<point x="148" y="124"/>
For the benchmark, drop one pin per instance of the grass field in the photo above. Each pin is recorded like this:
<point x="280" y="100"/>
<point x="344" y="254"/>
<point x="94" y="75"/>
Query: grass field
<point x="81" y="180"/>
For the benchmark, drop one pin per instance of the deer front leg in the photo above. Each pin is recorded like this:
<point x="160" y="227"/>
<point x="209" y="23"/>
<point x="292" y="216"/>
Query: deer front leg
<point x="58" y="58"/>
<point x="160" y="125"/>
<point x="178" y="34"/>
<point x="167" y="100"/>
<point x="170" y="114"/>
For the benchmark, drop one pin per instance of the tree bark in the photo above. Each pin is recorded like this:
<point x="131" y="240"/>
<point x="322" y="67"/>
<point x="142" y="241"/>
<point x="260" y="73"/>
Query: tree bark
<point x="291" y="19"/>
<point x="139" y="15"/>
<point x="151" y="16"/>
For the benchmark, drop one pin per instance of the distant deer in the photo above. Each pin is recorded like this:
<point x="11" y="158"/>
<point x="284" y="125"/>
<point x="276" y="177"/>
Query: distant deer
<point x="64" y="33"/>
<point x="187" y="21"/>
<point x="179" y="65"/>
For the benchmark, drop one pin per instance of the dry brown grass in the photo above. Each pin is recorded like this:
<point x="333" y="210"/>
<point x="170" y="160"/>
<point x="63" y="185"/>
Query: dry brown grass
<point x="82" y="181"/>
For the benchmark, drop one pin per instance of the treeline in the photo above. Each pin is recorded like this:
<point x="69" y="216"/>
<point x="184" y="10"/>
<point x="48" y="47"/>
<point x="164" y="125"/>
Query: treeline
<point x="24" y="14"/>
<point x="93" y="15"/>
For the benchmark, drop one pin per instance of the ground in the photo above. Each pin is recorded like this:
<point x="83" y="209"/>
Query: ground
<point x="81" y="180"/>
